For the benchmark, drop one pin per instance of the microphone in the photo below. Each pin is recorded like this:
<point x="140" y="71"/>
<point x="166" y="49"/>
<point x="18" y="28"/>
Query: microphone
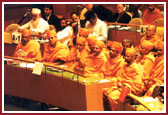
<point x="28" y="12"/>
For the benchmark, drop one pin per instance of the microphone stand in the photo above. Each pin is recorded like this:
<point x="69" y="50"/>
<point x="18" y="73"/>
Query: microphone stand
<point x="28" y="12"/>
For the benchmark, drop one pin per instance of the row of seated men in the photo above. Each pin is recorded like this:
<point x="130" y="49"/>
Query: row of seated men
<point x="140" y="68"/>
<point x="134" y="68"/>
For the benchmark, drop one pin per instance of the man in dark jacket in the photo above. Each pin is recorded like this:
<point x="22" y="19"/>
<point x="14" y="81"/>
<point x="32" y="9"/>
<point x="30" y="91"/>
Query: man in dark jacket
<point x="49" y="16"/>
<point x="121" y="16"/>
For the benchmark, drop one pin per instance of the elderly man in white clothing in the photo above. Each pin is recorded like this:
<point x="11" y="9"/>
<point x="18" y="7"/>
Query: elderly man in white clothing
<point x="37" y="25"/>
<point x="96" y="26"/>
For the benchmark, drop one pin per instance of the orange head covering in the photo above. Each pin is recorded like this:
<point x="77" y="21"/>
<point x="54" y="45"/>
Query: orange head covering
<point x="148" y="45"/>
<point x="109" y="43"/>
<point x="160" y="44"/>
<point x="100" y="44"/>
<point x="117" y="46"/>
<point x="131" y="51"/>
<point x="80" y="40"/>
<point x="84" y="32"/>
<point x="26" y="32"/>
<point x="51" y="33"/>
<point x="91" y="39"/>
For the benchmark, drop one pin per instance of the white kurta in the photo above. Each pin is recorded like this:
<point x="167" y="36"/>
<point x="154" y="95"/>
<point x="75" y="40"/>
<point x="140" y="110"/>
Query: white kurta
<point x="42" y="27"/>
<point x="65" y="35"/>
<point x="99" y="29"/>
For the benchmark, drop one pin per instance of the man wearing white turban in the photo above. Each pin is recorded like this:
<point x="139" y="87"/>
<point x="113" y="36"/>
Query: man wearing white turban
<point x="37" y="25"/>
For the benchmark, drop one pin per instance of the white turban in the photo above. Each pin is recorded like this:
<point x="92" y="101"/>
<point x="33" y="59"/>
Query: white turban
<point x="36" y="11"/>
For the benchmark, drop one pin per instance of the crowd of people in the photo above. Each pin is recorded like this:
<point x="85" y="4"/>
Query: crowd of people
<point x="139" y="68"/>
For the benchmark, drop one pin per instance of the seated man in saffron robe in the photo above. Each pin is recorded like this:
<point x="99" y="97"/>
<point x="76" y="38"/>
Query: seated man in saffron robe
<point x="27" y="48"/>
<point x="77" y="53"/>
<point x="94" y="63"/>
<point x="114" y="60"/>
<point x="54" y="51"/>
<point x="150" y="35"/>
<point x="129" y="76"/>
<point x="146" y="58"/>
<point x="156" y="76"/>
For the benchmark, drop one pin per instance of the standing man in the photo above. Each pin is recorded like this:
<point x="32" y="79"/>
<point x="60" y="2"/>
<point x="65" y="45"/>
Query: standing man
<point x="37" y="25"/>
<point x="50" y="17"/>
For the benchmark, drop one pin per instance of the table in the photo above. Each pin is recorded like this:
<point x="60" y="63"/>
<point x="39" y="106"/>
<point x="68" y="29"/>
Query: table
<point x="119" y="32"/>
<point x="51" y="88"/>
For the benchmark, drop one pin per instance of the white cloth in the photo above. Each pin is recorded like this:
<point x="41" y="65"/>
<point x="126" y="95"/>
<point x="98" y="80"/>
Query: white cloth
<point x="65" y="35"/>
<point x="99" y="29"/>
<point x="41" y="27"/>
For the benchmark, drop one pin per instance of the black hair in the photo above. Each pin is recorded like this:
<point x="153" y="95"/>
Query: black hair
<point x="62" y="19"/>
<point x="74" y="13"/>
<point x="50" y="6"/>
<point x="90" y="15"/>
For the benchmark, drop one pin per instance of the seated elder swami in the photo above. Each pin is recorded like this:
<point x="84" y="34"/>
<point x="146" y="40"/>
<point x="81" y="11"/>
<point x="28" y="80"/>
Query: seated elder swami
<point x="150" y="35"/>
<point x="96" y="26"/>
<point x="27" y="48"/>
<point x="114" y="60"/>
<point x="94" y="63"/>
<point x="55" y="52"/>
<point x="37" y="24"/>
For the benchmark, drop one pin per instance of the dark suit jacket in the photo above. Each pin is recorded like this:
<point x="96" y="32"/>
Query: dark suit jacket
<point x="53" y="20"/>
<point x="125" y="18"/>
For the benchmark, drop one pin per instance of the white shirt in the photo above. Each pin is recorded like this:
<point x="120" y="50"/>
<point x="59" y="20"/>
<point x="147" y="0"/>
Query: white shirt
<point x="99" y="29"/>
<point x="42" y="26"/>
<point x="65" y="35"/>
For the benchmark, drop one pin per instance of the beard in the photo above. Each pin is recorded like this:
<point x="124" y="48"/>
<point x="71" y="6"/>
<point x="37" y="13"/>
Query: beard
<point x="35" y="22"/>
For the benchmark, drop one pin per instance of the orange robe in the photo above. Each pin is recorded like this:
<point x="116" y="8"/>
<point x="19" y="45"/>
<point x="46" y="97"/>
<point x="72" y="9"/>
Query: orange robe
<point x="74" y="53"/>
<point x="51" y="54"/>
<point x="153" y="39"/>
<point x="112" y="66"/>
<point x="93" y="65"/>
<point x="131" y="76"/>
<point x="148" y="17"/>
<point x="156" y="75"/>
<point x="128" y="76"/>
<point x="147" y="62"/>
<point x="31" y="50"/>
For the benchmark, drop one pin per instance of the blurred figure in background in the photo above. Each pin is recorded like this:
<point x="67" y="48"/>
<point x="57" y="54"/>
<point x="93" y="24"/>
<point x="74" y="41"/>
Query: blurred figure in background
<point x="121" y="16"/>
<point x="151" y="14"/>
